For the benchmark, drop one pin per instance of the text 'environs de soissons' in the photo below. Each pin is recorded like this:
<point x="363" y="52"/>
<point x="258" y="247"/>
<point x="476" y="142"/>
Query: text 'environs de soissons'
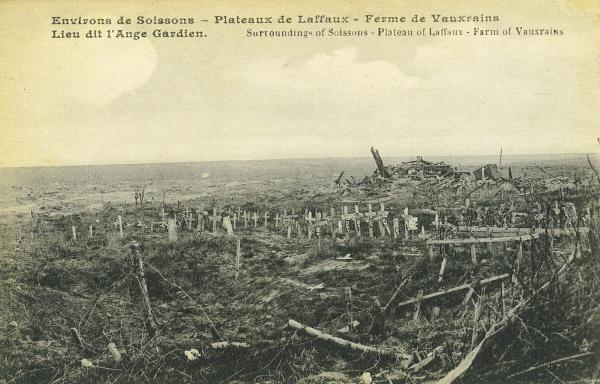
<point x="149" y="20"/>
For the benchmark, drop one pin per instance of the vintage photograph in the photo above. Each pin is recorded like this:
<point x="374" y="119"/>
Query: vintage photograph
<point x="299" y="192"/>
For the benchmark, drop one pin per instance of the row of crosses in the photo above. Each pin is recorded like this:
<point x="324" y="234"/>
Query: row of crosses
<point x="338" y="224"/>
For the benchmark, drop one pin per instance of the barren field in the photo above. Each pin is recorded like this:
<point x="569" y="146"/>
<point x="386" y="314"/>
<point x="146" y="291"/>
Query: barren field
<point x="273" y="272"/>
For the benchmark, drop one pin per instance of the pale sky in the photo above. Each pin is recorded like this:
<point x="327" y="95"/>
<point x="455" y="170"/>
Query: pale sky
<point x="227" y="96"/>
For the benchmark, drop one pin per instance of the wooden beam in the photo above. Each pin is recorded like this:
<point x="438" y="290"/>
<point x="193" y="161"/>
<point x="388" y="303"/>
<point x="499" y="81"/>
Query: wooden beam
<point x="453" y="289"/>
<point x="484" y="240"/>
<point x="346" y="343"/>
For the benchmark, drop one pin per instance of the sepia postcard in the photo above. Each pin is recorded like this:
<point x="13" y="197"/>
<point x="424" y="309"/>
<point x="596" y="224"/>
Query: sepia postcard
<point x="374" y="192"/>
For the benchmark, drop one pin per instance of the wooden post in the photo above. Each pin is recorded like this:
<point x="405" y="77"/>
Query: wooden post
<point x="74" y="232"/>
<point x="91" y="233"/>
<point x="346" y="222"/>
<point x="141" y="277"/>
<point x="473" y="252"/>
<point x="172" y="228"/>
<point x="418" y="305"/>
<point x="120" y="219"/>
<point x="520" y="250"/>
<point x="255" y="217"/>
<point x="357" y="220"/>
<point x="396" y="224"/>
<point x="348" y="301"/>
<point x="502" y="295"/>
<point x="370" y="215"/>
<point x="266" y="218"/>
<point x="380" y="221"/>
<point x="234" y="221"/>
<point x="318" y="233"/>
<point x="214" y="220"/>
<point x="238" y="256"/>
<point x="277" y="220"/>
<point x="200" y="227"/>
<point x="430" y="252"/>
<point x="442" y="268"/>
<point x="475" y="322"/>
<point x="245" y="219"/>
<point x="289" y="230"/>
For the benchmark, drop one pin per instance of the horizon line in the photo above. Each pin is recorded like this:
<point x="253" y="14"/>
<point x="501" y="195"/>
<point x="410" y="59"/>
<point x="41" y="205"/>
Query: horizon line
<point x="287" y="158"/>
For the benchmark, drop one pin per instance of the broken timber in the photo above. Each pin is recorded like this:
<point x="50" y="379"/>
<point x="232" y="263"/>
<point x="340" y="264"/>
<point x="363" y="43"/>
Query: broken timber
<point x="453" y="289"/>
<point x="382" y="169"/>
<point x="346" y="343"/>
<point x="473" y="240"/>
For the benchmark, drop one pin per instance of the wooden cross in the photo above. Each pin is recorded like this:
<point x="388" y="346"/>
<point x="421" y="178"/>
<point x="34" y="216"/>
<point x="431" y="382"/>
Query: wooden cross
<point x="289" y="219"/>
<point x="255" y="217"/>
<point x="370" y="215"/>
<point x="214" y="218"/>
<point x="318" y="233"/>
<point x="284" y="218"/>
<point x="266" y="218"/>
<point x="382" y="216"/>
<point x="357" y="220"/>
<point x="347" y="219"/>
<point x="331" y="223"/>
<point x="277" y="220"/>
<point x="396" y="224"/>
<point x="200" y="227"/>
<point x="309" y="223"/>
<point x="188" y="218"/>
<point x="245" y="219"/>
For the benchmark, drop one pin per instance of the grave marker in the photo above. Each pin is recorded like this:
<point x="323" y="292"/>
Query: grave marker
<point x="200" y="227"/>
<point x="309" y="219"/>
<point x="370" y="215"/>
<point x="357" y="221"/>
<point x="238" y="256"/>
<point x="214" y="218"/>
<point x="120" y="220"/>
<point x="227" y="225"/>
<point x="382" y="224"/>
<point x="346" y="218"/>
<point x="172" y="228"/>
